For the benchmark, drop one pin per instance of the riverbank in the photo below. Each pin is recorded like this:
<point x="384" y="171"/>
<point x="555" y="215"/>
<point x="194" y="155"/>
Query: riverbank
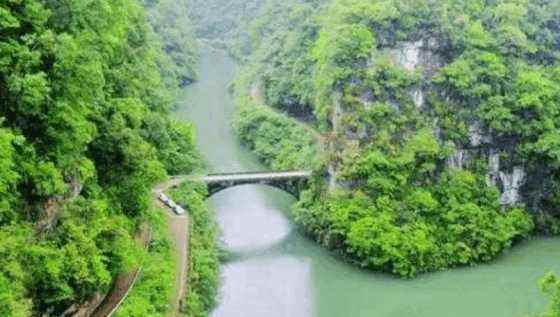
<point x="279" y="142"/>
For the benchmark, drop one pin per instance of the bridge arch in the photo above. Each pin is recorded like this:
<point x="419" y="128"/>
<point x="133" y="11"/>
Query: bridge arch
<point x="291" y="182"/>
<point x="292" y="187"/>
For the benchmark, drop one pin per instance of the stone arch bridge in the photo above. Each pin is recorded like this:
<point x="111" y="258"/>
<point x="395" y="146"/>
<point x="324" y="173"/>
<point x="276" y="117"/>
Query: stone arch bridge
<point x="289" y="181"/>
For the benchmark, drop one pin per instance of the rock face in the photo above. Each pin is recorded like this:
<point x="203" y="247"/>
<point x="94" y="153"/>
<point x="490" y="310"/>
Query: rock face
<point x="421" y="57"/>
<point x="511" y="183"/>
<point x="493" y="168"/>
<point x="509" y="179"/>
<point x="458" y="160"/>
<point x="417" y="95"/>
<point x="477" y="136"/>
<point x="417" y="56"/>
<point x="408" y="54"/>
<point x="335" y="119"/>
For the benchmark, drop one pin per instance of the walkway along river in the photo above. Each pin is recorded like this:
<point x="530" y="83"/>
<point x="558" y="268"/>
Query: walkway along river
<point x="274" y="271"/>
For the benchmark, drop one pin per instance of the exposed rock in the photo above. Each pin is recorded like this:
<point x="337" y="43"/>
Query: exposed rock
<point x="417" y="95"/>
<point x="86" y="309"/>
<point x="363" y="134"/>
<point x="337" y="112"/>
<point x="367" y="99"/>
<point x="458" y="160"/>
<point x="51" y="207"/>
<point x="332" y="178"/>
<point x="395" y="105"/>
<point x="437" y="130"/>
<point x="493" y="168"/>
<point x="418" y="55"/>
<point x="511" y="184"/>
<point x="409" y="55"/>
<point x="477" y="136"/>
<point x="336" y="117"/>
<point x="75" y="188"/>
<point x="430" y="59"/>
<point x="412" y="55"/>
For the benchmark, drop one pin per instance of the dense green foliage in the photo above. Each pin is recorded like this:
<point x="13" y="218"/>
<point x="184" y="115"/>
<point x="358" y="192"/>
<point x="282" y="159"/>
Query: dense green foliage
<point x="171" y="23"/>
<point x="401" y="89"/>
<point x="224" y="23"/>
<point x="152" y="292"/>
<point x="84" y="135"/>
<point x="278" y="141"/>
<point x="417" y="229"/>
<point x="550" y="285"/>
<point x="204" y="254"/>
<point x="279" y="38"/>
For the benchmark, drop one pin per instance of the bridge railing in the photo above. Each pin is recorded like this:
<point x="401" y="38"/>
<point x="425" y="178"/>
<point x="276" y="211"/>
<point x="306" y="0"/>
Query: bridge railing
<point x="257" y="173"/>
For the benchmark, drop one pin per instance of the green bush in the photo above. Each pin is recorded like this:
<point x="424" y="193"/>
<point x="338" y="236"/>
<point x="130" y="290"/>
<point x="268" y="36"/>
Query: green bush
<point x="151" y="295"/>
<point x="276" y="139"/>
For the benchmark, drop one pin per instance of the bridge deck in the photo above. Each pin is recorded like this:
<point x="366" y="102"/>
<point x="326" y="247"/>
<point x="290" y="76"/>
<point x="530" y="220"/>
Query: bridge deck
<point x="238" y="177"/>
<point x="217" y="182"/>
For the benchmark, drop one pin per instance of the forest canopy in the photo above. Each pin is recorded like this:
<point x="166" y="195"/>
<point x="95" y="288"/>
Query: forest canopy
<point x="84" y="135"/>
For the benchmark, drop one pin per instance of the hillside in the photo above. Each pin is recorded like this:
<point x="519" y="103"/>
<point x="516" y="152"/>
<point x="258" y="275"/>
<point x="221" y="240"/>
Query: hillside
<point x="85" y="92"/>
<point x="441" y="120"/>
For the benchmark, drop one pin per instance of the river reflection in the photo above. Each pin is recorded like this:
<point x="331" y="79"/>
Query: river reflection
<point x="274" y="287"/>
<point x="261" y="278"/>
<point x="252" y="224"/>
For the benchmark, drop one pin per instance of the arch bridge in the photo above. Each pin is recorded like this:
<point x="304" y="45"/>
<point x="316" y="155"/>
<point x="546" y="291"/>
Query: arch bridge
<point x="289" y="181"/>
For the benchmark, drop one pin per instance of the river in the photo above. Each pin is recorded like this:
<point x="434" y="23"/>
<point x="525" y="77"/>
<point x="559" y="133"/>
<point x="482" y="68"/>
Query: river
<point x="274" y="271"/>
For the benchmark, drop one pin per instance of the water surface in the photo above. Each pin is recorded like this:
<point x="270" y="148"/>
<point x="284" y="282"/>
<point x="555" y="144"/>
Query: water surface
<point x="276" y="272"/>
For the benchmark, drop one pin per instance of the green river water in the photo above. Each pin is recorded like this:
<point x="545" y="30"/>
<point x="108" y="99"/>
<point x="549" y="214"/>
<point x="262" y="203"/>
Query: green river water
<point x="276" y="272"/>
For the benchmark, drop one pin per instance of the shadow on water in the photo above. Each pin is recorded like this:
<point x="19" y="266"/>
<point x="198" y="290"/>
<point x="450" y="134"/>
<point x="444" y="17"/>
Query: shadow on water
<point x="274" y="271"/>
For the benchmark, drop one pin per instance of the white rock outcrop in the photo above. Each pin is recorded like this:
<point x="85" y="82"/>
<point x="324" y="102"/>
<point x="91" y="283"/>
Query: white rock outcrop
<point x="458" y="160"/>
<point x="512" y="183"/>
<point x="409" y="55"/>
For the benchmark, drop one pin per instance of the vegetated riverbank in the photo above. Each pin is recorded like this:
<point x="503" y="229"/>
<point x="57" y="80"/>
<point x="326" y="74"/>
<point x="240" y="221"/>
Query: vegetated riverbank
<point x="420" y="181"/>
<point x="270" y="148"/>
<point x="413" y="186"/>
<point x="271" y="136"/>
<point x="278" y="141"/>
<point x="203" y="262"/>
